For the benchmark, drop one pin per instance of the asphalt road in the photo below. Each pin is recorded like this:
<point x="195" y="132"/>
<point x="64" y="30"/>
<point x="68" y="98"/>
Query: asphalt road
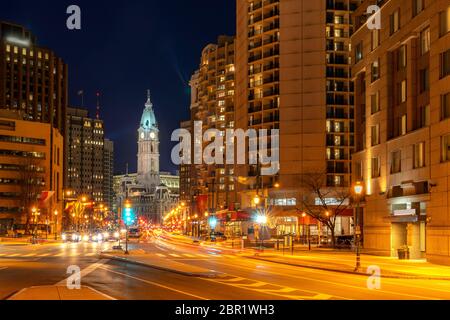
<point x="243" y="278"/>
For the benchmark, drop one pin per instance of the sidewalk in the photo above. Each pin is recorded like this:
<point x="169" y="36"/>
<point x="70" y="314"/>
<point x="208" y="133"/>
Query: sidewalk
<point x="345" y="261"/>
<point x="139" y="257"/>
<point x="56" y="293"/>
<point x="24" y="241"/>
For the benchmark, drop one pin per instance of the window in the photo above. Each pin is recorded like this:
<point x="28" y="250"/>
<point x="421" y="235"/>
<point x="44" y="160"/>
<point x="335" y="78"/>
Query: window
<point x="419" y="155"/>
<point x="395" y="21"/>
<point x="418" y="6"/>
<point x="424" y="116"/>
<point x="359" y="52"/>
<point x="375" y="70"/>
<point x="375" y="39"/>
<point x="375" y="137"/>
<point x="425" y="39"/>
<point x="445" y="64"/>
<point x="445" y="106"/>
<point x="445" y="148"/>
<point x="396" y="161"/>
<point x="424" y="80"/>
<point x="375" y="167"/>
<point x="403" y="125"/>
<point x="401" y="64"/>
<point x="375" y="102"/>
<point x="401" y="94"/>
<point x="444" y="22"/>
<point x="359" y="171"/>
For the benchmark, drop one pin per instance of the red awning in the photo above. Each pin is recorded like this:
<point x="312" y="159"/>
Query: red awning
<point x="240" y="216"/>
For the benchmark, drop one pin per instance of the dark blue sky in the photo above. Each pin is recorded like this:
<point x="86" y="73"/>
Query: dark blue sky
<point x="124" y="48"/>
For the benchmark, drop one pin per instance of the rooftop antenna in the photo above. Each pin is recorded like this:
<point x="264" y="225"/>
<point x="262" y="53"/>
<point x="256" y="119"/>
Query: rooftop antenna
<point x="126" y="169"/>
<point x="98" y="106"/>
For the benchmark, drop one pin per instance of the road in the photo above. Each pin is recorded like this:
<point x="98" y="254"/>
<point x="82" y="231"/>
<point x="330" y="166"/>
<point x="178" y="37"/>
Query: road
<point x="242" y="278"/>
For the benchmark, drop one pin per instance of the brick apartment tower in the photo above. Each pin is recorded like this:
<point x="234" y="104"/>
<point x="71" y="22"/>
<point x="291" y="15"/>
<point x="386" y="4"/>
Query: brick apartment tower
<point x="293" y="74"/>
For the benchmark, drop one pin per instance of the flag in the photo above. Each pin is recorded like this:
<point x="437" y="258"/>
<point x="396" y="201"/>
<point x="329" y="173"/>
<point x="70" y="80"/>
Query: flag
<point x="45" y="198"/>
<point x="80" y="93"/>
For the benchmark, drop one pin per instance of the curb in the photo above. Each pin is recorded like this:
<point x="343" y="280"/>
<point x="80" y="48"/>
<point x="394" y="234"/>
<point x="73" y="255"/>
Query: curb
<point x="388" y="276"/>
<point x="143" y="264"/>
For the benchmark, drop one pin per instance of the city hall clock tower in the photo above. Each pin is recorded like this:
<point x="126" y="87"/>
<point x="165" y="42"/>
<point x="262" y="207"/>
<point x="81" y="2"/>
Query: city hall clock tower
<point x="148" y="147"/>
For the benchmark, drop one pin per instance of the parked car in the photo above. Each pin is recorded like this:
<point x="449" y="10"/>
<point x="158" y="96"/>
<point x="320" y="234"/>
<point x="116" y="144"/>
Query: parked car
<point x="216" y="236"/>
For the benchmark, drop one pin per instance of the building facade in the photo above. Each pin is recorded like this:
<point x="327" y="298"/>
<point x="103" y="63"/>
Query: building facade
<point x="402" y="97"/>
<point x="31" y="175"/>
<point x="33" y="80"/>
<point x="152" y="193"/>
<point x="212" y="105"/>
<point x="293" y="75"/>
<point x="89" y="158"/>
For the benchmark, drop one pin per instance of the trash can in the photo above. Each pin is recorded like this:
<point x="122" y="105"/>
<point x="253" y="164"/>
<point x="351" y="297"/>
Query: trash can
<point x="403" y="253"/>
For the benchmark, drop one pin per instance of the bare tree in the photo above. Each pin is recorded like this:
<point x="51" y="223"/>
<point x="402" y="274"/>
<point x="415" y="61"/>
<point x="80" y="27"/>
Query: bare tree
<point x="323" y="203"/>
<point x="31" y="182"/>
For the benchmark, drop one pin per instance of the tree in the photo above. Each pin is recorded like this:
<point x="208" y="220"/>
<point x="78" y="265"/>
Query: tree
<point x="323" y="203"/>
<point x="31" y="183"/>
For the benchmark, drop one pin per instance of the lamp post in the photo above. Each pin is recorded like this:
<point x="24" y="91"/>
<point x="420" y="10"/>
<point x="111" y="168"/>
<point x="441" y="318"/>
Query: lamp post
<point x="358" y="191"/>
<point x="35" y="213"/>
<point x="56" y="224"/>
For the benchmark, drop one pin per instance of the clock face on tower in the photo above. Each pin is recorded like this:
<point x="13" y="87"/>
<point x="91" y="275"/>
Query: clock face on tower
<point x="152" y="135"/>
<point x="142" y="135"/>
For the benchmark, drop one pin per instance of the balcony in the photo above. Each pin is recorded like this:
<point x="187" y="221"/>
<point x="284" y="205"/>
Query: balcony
<point x="271" y="92"/>
<point x="271" y="27"/>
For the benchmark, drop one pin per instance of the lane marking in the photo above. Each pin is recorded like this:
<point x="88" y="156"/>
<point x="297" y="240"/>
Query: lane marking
<point x="153" y="283"/>
<point x="324" y="273"/>
<point x="174" y="255"/>
<point x="160" y="255"/>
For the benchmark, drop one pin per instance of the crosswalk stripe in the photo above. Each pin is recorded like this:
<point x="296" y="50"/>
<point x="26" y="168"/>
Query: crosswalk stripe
<point x="30" y="255"/>
<point x="160" y="255"/>
<point x="2" y="254"/>
<point x="44" y="255"/>
<point x="189" y="255"/>
<point x="174" y="255"/>
<point x="14" y="255"/>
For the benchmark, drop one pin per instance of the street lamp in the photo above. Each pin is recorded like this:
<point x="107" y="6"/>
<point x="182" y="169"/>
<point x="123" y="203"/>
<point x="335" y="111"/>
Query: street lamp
<point x="56" y="224"/>
<point x="358" y="191"/>
<point x="256" y="200"/>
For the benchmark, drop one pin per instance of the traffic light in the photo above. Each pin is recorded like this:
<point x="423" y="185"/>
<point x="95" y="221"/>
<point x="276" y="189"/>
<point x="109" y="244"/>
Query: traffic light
<point x="128" y="217"/>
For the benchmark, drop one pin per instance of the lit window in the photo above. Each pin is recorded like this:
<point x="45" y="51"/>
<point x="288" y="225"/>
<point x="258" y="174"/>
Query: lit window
<point x="419" y="155"/>
<point x="418" y="6"/>
<point x="425" y="40"/>
<point x="375" y="138"/>
<point x="396" y="161"/>
<point x="444" y="22"/>
<point x="8" y="48"/>
<point x="375" y="102"/>
<point x="395" y="21"/>
<point x="375" y="170"/>
<point x="375" y="39"/>
<point x="375" y="70"/>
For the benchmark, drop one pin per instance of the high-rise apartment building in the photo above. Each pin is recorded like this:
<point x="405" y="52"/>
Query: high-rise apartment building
<point x="33" y="80"/>
<point x="212" y="104"/>
<point x="108" y="173"/>
<point x="89" y="157"/>
<point x="293" y="74"/>
<point x="402" y="100"/>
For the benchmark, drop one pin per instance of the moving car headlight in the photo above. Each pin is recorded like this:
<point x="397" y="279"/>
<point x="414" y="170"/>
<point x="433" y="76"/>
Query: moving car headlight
<point x="116" y="234"/>
<point x="74" y="237"/>
<point x="64" y="237"/>
<point x="99" y="237"/>
<point x="106" y="235"/>
<point x="94" y="238"/>
<point x="86" y="238"/>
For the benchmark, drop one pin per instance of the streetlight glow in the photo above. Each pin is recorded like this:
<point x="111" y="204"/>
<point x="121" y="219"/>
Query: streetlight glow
<point x="358" y="188"/>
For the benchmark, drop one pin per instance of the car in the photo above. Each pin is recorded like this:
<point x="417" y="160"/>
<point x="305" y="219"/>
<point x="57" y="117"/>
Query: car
<point x="134" y="233"/>
<point x="216" y="236"/>
<point x="111" y="235"/>
<point x="71" y="236"/>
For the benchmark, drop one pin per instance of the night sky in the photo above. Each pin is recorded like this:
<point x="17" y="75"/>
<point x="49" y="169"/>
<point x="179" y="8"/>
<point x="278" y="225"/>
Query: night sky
<point x="124" y="48"/>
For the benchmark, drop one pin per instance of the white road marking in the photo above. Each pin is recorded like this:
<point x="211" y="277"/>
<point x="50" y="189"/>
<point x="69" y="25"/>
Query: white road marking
<point x="174" y="255"/>
<point x="160" y="255"/>
<point x="153" y="283"/>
